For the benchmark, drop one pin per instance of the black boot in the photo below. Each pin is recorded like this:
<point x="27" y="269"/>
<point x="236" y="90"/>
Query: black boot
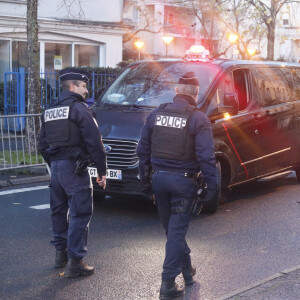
<point x="170" y="290"/>
<point x="61" y="258"/>
<point x="76" y="267"/>
<point x="188" y="275"/>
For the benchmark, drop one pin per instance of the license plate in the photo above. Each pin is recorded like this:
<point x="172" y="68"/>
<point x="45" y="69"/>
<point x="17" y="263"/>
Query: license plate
<point x="110" y="173"/>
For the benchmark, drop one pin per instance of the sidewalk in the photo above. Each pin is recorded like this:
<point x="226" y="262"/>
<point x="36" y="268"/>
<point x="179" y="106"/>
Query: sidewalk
<point x="9" y="178"/>
<point x="281" y="286"/>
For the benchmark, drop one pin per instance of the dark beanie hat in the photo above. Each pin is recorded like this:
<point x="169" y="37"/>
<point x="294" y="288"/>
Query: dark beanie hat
<point x="189" y="78"/>
<point x="74" y="74"/>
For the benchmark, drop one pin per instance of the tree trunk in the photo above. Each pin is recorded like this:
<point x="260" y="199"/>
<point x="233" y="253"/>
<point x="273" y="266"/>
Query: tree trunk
<point x="34" y="84"/>
<point x="271" y="41"/>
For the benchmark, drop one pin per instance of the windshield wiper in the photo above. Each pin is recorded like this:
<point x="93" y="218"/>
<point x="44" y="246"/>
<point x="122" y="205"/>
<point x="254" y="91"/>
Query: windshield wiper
<point x="136" y="106"/>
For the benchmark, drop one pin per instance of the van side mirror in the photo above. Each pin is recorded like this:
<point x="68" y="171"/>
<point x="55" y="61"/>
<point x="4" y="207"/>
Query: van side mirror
<point x="231" y="103"/>
<point x="99" y="93"/>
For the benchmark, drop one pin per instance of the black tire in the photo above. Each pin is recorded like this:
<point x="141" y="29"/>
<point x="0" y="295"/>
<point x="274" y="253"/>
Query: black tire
<point x="99" y="197"/>
<point x="212" y="207"/>
<point x="298" y="173"/>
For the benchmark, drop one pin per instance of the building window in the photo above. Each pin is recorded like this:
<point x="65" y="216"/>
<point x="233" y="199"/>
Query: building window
<point x="285" y="22"/>
<point x="19" y="55"/>
<point x="136" y="14"/>
<point x="4" y="61"/>
<point x="57" y="56"/>
<point x="86" y="55"/>
<point x="169" y="18"/>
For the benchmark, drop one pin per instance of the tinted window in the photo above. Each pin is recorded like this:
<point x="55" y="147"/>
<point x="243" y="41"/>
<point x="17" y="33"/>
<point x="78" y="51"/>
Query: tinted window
<point x="225" y="86"/>
<point x="153" y="83"/>
<point x="241" y="83"/>
<point x="274" y="85"/>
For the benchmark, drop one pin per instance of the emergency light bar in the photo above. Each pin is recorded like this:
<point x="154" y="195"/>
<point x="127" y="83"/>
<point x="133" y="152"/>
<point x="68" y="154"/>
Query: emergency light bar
<point x="197" y="53"/>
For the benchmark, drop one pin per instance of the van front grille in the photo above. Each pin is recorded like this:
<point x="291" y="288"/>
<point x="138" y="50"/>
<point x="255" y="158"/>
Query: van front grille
<point x="121" y="153"/>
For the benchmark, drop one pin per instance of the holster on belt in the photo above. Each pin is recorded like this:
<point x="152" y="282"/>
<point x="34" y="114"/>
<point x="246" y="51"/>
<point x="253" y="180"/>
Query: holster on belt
<point x="82" y="162"/>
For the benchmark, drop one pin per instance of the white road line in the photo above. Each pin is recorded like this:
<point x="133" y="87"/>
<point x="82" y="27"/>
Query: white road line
<point x="34" y="188"/>
<point x="42" y="206"/>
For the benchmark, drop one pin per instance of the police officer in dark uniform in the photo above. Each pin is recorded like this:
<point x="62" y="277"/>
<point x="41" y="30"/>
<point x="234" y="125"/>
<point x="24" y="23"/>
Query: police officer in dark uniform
<point x="177" y="141"/>
<point x="69" y="141"/>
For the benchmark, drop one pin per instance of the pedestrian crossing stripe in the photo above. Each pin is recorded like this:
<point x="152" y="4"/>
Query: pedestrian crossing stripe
<point x="34" y="188"/>
<point x="42" y="206"/>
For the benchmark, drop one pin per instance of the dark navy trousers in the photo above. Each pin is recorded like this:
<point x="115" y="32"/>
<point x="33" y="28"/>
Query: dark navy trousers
<point x="71" y="202"/>
<point x="174" y="195"/>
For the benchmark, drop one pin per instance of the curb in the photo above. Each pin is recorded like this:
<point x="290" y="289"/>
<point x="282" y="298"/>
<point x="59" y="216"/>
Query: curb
<point x="26" y="180"/>
<point x="258" y="283"/>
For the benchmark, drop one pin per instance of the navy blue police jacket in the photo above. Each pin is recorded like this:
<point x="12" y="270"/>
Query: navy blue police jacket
<point x="200" y="128"/>
<point x="83" y="116"/>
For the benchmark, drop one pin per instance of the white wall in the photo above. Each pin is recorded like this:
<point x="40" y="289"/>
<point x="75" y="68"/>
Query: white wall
<point x="93" y="10"/>
<point x="52" y="28"/>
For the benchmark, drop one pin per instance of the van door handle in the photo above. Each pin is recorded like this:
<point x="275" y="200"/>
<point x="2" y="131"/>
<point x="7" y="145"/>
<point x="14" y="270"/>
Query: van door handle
<point x="268" y="113"/>
<point x="259" y="116"/>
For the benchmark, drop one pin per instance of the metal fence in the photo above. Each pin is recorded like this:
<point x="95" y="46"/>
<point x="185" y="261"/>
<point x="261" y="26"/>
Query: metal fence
<point x="15" y="88"/>
<point x="15" y="142"/>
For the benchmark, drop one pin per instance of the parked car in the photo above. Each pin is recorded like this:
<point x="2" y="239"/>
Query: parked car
<point x="254" y="108"/>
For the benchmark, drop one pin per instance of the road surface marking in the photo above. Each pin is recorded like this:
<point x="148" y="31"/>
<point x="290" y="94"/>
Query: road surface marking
<point x="34" y="188"/>
<point x="42" y="206"/>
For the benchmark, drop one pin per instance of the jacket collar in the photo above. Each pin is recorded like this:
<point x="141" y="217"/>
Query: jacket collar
<point x="181" y="98"/>
<point x="67" y="94"/>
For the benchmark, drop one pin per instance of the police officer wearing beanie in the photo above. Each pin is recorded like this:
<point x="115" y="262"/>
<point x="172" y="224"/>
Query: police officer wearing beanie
<point x="177" y="141"/>
<point x="70" y="139"/>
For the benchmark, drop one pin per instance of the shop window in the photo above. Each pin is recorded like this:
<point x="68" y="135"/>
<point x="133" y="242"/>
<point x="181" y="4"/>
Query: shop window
<point x="86" y="55"/>
<point x="19" y="55"/>
<point x="57" y="56"/>
<point x="285" y="22"/>
<point x="4" y="58"/>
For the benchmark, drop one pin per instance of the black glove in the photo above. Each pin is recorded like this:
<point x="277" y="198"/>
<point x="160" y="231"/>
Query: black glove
<point x="146" y="185"/>
<point x="203" y="197"/>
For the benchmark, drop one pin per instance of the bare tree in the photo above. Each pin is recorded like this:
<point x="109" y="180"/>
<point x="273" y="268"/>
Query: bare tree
<point x="268" y="12"/>
<point x="149" y="22"/>
<point x="247" y="28"/>
<point x="34" y="84"/>
<point x="74" y="9"/>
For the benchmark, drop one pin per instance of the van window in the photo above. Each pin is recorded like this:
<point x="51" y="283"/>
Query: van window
<point x="226" y="85"/>
<point x="153" y="83"/>
<point x="274" y="85"/>
<point x="241" y="87"/>
<point x="296" y="77"/>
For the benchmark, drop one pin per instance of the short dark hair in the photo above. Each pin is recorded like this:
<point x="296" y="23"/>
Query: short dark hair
<point x="66" y="84"/>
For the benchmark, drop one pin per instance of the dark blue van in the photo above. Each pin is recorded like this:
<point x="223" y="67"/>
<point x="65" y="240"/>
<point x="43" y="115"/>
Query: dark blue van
<point x="254" y="108"/>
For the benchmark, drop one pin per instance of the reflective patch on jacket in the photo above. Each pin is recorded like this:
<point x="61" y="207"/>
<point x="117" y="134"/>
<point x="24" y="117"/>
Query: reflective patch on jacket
<point x="169" y="121"/>
<point x="58" y="113"/>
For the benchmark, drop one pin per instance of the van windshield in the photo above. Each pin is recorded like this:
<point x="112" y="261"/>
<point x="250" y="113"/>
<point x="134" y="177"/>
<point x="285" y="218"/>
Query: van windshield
<point x="153" y="83"/>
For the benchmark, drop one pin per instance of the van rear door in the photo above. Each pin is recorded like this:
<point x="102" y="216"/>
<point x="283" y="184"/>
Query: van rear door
<point x="275" y="121"/>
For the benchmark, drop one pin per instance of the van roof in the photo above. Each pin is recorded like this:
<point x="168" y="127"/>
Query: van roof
<point x="226" y="63"/>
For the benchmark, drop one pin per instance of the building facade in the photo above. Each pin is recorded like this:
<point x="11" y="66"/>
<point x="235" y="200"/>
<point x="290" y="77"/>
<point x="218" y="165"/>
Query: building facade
<point x="90" y="35"/>
<point x="156" y="19"/>
<point x="287" y="44"/>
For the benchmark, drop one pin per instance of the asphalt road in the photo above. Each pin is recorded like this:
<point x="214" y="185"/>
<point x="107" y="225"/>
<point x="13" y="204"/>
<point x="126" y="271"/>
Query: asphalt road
<point x="251" y="238"/>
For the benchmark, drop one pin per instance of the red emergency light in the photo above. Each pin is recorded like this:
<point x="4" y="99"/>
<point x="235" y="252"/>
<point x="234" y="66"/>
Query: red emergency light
<point x="197" y="53"/>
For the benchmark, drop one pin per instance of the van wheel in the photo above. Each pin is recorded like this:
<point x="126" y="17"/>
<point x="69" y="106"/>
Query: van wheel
<point x="99" y="197"/>
<point x="212" y="207"/>
<point x="298" y="173"/>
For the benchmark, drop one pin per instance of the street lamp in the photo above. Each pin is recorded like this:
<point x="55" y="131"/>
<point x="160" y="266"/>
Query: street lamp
<point x="167" y="40"/>
<point x="139" y="45"/>
<point x="252" y="52"/>
<point x="233" y="37"/>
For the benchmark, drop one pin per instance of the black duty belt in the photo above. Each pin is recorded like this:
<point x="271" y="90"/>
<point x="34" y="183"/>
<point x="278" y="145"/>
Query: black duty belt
<point x="184" y="174"/>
